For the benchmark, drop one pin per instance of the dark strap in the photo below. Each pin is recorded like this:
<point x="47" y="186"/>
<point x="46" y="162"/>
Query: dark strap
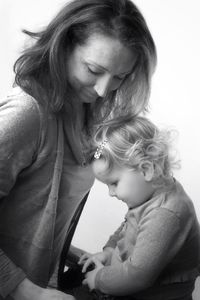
<point x="68" y="240"/>
<point x="58" y="165"/>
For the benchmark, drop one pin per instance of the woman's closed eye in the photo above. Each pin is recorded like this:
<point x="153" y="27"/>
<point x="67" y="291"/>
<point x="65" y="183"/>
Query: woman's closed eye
<point x="94" y="71"/>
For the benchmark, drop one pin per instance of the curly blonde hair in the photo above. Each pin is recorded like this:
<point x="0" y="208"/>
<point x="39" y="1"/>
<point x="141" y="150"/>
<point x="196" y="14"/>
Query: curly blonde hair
<point x="137" y="141"/>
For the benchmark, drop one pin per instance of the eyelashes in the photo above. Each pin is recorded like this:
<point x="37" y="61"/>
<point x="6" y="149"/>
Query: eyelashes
<point x="98" y="73"/>
<point x="94" y="72"/>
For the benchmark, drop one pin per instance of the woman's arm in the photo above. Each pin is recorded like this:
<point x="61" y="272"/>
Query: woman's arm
<point x="19" y="134"/>
<point x="13" y="282"/>
<point x="19" y="138"/>
<point x="10" y="275"/>
<point x="27" y="290"/>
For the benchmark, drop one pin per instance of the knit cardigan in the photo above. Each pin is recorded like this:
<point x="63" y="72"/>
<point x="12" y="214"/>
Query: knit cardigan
<point x="33" y="144"/>
<point x="157" y="247"/>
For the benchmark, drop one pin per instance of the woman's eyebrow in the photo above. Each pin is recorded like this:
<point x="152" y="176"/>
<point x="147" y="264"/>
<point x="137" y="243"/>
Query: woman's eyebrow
<point x="105" y="69"/>
<point x="88" y="62"/>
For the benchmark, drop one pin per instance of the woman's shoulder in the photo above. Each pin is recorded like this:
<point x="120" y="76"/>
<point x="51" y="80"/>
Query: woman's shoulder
<point x="18" y="99"/>
<point x="22" y="106"/>
<point x="20" y="111"/>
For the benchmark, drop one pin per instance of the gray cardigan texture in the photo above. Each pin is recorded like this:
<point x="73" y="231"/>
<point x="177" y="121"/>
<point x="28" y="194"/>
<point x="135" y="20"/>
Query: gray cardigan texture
<point x="156" y="250"/>
<point x="42" y="180"/>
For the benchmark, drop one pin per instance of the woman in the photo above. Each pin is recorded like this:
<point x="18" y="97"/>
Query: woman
<point x="92" y="63"/>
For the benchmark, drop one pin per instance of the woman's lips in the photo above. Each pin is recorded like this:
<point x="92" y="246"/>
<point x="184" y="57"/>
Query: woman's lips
<point x="90" y="96"/>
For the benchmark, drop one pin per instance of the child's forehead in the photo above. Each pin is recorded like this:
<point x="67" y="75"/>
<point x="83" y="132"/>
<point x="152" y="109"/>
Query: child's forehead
<point x="99" y="167"/>
<point x="102" y="170"/>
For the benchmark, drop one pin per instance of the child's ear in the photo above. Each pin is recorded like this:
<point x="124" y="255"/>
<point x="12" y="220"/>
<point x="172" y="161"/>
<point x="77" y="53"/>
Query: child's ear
<point x="147" y="169"/>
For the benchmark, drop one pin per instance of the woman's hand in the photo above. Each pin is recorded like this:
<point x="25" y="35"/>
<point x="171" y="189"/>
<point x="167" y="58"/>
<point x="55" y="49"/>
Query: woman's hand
<point x="27" y="290"/>
<point x="90" y="276"/>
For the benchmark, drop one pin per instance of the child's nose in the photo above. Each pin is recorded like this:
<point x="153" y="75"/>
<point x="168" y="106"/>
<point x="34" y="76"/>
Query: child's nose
<point x="111" y="192"/>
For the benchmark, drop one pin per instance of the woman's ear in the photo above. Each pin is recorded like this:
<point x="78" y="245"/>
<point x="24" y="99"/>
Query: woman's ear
<point x="147" y="169"/>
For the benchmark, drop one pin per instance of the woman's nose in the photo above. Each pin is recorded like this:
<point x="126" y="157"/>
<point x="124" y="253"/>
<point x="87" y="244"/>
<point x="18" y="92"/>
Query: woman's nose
<point x="102" y="86"/>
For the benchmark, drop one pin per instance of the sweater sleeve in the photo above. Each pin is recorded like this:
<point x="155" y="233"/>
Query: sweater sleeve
<point x="19" y="136"/>
<point x="114" y="238"/>
<point x="159" y="238"/>
<point x="10" y="275"/>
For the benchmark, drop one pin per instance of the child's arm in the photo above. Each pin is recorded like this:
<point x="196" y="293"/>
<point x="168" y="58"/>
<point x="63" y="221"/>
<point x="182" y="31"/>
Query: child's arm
<point x="159" y="239"/>
<point x="93" y="263"/>
<point x="105" y="256"/>
<point x="91" y="275"/>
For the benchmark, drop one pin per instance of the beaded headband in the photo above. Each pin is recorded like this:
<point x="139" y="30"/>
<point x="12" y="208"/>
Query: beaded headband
<point x="100" y="149"/>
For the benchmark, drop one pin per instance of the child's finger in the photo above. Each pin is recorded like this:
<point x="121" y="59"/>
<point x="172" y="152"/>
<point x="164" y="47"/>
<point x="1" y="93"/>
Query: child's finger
<point x="83" y="258"/>
<point x="84" y="282"/>
<point x="97" y="262"/>
<point x="87" y="264"/>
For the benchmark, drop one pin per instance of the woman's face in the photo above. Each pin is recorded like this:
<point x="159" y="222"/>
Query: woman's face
<point x="98" y="67"/>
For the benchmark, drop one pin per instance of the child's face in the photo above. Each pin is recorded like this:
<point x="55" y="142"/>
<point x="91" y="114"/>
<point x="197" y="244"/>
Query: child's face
<point x="129" y="186"/>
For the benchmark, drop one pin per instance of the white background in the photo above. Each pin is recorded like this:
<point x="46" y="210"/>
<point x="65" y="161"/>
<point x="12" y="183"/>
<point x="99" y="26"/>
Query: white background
<point x="174" y="102"/>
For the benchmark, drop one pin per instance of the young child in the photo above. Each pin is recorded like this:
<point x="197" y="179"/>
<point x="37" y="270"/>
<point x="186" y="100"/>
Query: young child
<point x="155" y="253"/>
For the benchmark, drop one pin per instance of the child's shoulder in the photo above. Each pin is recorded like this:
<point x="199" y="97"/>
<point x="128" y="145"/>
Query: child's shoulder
<point x="175" y="200"/>
<point x="175" y="203"/>
<point x="178" y="202"/>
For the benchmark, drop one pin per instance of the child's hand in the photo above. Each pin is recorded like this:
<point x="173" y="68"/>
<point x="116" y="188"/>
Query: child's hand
<point x="90" y="276"/>
<point x="89" y="259"/>
<point x="84" y="258"/>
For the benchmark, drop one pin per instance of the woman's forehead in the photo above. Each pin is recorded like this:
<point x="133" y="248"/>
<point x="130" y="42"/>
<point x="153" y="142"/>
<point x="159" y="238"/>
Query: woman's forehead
<point x="108" y="53"/>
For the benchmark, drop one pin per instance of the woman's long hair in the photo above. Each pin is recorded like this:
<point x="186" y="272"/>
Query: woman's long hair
<point x="41" y="69"/>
